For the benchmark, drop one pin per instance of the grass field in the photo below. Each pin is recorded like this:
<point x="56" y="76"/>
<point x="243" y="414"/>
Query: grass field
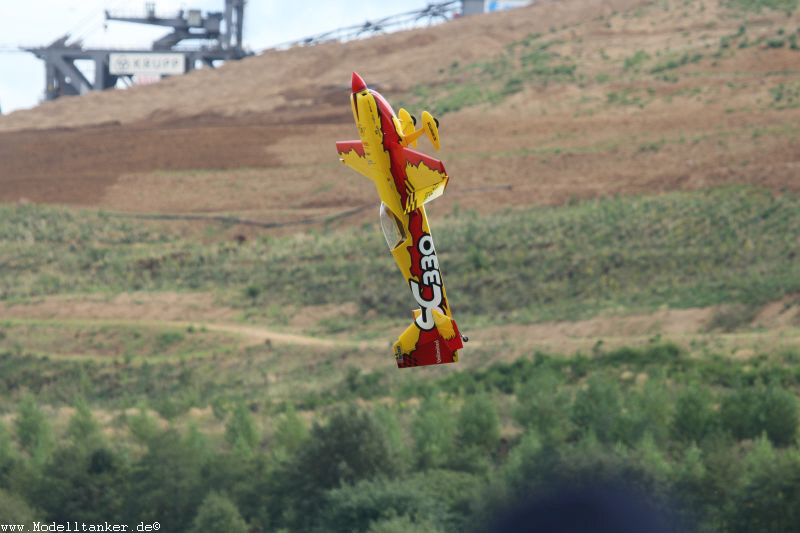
<point x="733" y="245"/>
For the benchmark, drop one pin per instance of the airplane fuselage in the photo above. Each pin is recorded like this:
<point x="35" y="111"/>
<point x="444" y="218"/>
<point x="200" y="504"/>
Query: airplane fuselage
<point x="378" y="128"/>
<point x="383" y="156"/>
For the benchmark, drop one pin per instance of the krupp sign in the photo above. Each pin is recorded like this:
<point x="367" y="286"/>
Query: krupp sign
<point x="147" y="64"/>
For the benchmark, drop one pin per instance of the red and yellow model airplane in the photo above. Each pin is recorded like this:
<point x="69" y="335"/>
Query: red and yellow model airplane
<point x="406" y="180"/>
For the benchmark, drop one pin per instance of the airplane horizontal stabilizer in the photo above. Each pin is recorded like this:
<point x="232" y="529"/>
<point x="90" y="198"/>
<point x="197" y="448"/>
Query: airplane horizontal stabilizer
<point x="426" y="179"/>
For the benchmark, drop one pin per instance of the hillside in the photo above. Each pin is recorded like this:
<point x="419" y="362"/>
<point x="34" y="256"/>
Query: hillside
<point x="205" y="317"/>
<point x="543" y="105"/>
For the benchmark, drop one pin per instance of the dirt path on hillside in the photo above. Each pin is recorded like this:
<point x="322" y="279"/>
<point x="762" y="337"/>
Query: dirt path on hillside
<point x="775" y="326"/>
<point x="260" y="334"/>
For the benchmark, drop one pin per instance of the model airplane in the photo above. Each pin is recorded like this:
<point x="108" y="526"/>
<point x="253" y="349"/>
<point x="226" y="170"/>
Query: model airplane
<point x="406" y="180"/>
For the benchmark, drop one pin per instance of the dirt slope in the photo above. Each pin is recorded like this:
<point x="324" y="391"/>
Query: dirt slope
<point x="283" y="82"/>
<point x="660" y="96"/>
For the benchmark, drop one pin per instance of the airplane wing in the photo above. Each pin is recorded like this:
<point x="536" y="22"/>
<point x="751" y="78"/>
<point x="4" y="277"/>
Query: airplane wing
<point x="426" y="179"/>
<point x="351" y="153"/>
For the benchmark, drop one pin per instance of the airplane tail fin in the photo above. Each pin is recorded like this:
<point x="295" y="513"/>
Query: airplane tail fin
<point x="430" y="128"/>
<point x="407" y="124"/>
<point x="438" y="346"/>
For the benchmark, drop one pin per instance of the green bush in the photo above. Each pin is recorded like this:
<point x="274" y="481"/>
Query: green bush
<point x="218" y="514"/>
<point x="478" y="424"/>
<point x="240" y="430"/>
<point x="434" y="432"/>
<point x="401" y="524"/>
<point x="167" y="483"/>
<point x="749" y="411"/>
<point x="33" y="430"/>
<point x="598" y="409"/>
<point x="544" y="405"/>
<point x="349" y="447"/>
<point x="779" y="416"/>
<point x="695" y="417"/>
<point x="291" y="432"/>
<point x="769" y="498"/>
<point x="15" y="510"/>
<point x="6" y="453"/>
<point x="83" y="429"/>
<point x="435" y="498"/>
<point x="648" y="412"/>
<point x="83" y="484"/>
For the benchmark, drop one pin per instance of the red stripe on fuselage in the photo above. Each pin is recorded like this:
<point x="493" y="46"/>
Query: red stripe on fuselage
<point x="391" y="143"/>
<point x="415" y="228"/>
<point x="397" y="155"/>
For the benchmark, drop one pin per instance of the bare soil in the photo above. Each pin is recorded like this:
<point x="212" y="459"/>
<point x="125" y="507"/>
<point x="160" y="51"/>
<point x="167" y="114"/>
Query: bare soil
<point x="256" y="137"/>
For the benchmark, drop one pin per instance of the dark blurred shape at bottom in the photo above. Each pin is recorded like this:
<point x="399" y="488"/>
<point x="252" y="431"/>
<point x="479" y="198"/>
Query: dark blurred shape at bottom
<point x="590" y="508"/>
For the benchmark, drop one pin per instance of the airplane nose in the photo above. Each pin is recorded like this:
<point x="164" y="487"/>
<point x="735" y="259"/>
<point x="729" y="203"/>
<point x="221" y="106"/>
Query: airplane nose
<point x="358" y="83"/>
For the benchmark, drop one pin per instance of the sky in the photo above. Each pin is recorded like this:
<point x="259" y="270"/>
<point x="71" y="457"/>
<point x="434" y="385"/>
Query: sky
<point x="267" y="22"/>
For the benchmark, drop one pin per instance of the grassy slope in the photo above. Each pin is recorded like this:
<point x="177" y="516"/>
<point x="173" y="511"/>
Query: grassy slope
<point x="722" y="246"/>
<point x="732" y="245"/>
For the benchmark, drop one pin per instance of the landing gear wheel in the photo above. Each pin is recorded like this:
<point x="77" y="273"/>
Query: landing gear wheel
<point x="464" y="338"/>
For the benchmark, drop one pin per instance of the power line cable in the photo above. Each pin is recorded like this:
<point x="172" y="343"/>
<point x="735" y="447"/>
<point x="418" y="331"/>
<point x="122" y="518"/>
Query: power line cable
<point x="97" y="24"/>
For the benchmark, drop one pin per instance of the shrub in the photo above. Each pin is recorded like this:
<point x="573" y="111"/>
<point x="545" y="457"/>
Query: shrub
<point x="747" y="412"/>
<point x="478" y="424"/>
<point x="732" y="317"/>
<point x="435" y="498"/>
<point x="779" y="415"/>
<point x="648" y="412"/>
<point x="15" y="510"/>
<point x="166" y="483"/>
<point x="218" y="514"/>
<point x="694" y="414"/>
<point x="6" y="453"/>
<point x="598" y="408"/>
<point x="634" y="61"/>
<point x="240" y="431"/>
<point x="33" y="431"/>
<point x="82" y="484"/>
<point x="434" y="432"/>
<point x="83" y="428"/>
<point x="290" y="432"/>
<point x="544" y="406"/>
<point x="401" y="524"/>
<point x="769" y="499"/>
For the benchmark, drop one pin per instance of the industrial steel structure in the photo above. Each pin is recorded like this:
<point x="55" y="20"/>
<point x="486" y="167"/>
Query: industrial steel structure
<point x="217" y="37"/>
<point x="219" y="34"/>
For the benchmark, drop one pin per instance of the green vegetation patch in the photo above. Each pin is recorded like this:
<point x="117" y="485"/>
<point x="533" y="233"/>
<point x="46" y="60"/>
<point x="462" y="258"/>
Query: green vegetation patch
<point x="630" y="97"/>
<point x="787" y="6"/>
<point x="676" y="61"/>
<point x="635" y="61"/>
<point x="688" y="249"/>
<point x="709" y="439"/>
<point x="785" y="95"/>
<point x="530" y="60"/>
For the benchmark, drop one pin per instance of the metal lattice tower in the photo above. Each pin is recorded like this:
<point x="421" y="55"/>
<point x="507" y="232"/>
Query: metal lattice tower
<point x="220" y="35"/>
